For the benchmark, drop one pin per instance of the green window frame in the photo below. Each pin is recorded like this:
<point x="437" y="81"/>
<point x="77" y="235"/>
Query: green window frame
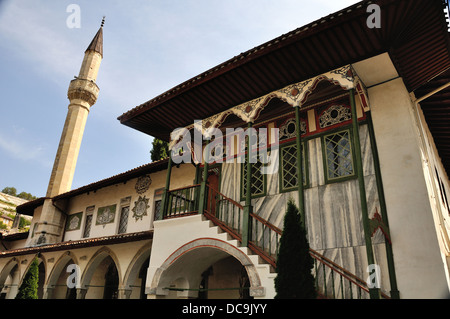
<point x="288" y="167"/>
<point x="259" y="180"/>
<point x="338" y="156"/>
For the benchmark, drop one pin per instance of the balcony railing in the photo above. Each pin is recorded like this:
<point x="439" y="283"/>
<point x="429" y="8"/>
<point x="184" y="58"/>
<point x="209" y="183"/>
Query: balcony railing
<point x="332" y="281"/>
<point x="182" y="202"/>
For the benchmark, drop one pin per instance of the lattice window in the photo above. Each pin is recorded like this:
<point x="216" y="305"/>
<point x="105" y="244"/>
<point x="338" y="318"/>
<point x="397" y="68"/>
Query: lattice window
<point x="258" y="182"/>
<point x="338" y="154"/>
<point x="123" y="221"/>
<point x="158" y="207"/>
<point x="289" y="176"/>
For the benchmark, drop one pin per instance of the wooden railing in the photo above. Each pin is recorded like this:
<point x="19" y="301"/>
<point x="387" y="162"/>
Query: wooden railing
<point x="332" y="281"/>
<point x="182" y="202"/>
<point x="264" y="239"/>
<point x="224" y="212"/>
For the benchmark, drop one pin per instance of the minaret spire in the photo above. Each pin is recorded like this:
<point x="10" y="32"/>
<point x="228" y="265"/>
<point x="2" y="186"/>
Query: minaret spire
<point x="96" y="44"/>
<point x="82" y="94"/>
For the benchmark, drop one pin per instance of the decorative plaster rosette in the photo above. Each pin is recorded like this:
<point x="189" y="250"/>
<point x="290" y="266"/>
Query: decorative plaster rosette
<point x="143" y="183"/>
<point x="140" y="208"/>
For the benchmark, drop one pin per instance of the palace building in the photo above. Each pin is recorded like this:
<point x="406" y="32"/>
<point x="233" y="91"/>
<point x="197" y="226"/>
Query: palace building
<point x="356" y="115"/>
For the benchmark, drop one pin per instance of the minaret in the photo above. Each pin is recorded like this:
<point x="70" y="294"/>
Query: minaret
<point x="82" y="94"/>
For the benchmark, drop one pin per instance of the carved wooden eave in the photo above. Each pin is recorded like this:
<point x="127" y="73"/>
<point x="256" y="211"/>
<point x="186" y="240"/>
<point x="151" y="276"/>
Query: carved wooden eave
<point x="295" y="95"/>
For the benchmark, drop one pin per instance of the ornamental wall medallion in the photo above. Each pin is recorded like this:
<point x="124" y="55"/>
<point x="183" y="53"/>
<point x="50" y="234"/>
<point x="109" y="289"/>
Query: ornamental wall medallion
<point x="143" y="184"/>
<point x="334" y="115"/>
<point x="289" y="129"/>
<point x="105" y="215"/>
<point x="140" y="208"/>
<point x="74" y="222"/>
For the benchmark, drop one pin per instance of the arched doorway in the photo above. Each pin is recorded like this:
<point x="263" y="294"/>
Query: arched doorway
<point x="226" y="279"/>
<point x="206" y="268"/>
<point x="9" y="280"/>
<point x="57" y="283"/>
<point x="101" y="278"/>
<point x="104" y="283"/>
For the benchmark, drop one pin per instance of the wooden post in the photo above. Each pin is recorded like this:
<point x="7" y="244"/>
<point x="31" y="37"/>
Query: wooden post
<point x="203" y="188"/>
<point x="301" y="196"/>
<point x="165" y="197"/>
<point x="395" y="294"/>
<point x="246" y="221"/>
<point x="374" y="292"/>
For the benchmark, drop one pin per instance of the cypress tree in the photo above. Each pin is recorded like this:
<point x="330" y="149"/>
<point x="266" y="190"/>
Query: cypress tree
<point x="159" y="151"/>
<point x="29" y="287"/>
<point x="294" y="264"/>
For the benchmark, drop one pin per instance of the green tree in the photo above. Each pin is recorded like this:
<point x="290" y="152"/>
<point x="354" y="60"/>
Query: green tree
<point x="29" y="287"/>
<point x="160" y="150"/>
<point x="26" y="196"/>
<point x="13" y="192"/>
<point x="10" y="191"/>
<point x="23" y="223"/>
<point x="294" y="264"/>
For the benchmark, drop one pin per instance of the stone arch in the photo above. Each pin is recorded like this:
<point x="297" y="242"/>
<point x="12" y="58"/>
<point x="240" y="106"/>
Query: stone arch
<point x="94" y="263"/>
<point x="139" y="260"/>
<point x="60" y="269"/>
<point x="10" y="271"/>
<point x="6" y="271"/>
<point x="202" y="252"/>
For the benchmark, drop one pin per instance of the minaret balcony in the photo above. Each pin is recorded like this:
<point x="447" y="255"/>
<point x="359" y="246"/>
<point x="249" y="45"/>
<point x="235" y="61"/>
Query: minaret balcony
<point x="83" y="89"/>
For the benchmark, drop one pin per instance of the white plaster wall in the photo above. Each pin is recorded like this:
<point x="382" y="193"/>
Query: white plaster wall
<point x="172" y="234"/>
<point x="419" y="267"/>
<point x="181" y="176"/>
<point x="125" y="256"/>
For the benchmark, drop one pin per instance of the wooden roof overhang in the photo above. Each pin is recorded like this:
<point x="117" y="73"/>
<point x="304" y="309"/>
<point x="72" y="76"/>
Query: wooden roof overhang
<point x="77" y="244"/>
<point x="414" y="33"/>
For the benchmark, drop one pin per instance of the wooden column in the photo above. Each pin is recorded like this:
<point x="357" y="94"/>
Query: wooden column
<point x="165" y="197"/>
<point x="395" y="294"/>
<point x="374" y="292"/>
<point x="246" y="221"/>
<point x="203" y="188"/>
<point x="301" y="196"/>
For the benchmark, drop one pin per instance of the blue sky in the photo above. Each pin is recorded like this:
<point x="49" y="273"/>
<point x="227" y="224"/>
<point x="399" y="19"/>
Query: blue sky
<point x="150" y="46"/>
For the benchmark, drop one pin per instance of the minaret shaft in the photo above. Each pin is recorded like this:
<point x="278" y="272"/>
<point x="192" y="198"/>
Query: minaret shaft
<point x="68" y="150"/>
<point x="82" y="94"/>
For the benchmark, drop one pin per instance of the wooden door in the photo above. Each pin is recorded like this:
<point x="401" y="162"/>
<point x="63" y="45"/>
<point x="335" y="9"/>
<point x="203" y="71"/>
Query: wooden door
<point x="213" y="182"/>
